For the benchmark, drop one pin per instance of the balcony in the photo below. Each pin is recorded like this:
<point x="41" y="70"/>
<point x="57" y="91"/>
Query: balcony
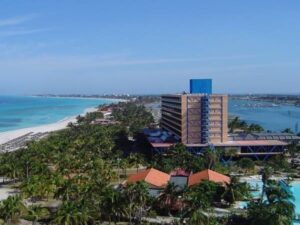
<point x="171" y="105"/>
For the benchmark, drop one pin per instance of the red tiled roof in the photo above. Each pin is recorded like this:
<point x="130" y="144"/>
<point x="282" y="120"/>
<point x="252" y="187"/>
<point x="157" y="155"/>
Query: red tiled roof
<point x="208" y="175"/>
<point x="151" y="176"/>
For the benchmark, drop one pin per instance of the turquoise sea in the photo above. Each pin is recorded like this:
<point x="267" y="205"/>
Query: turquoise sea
<point x="271" y="117"/>
<point x="18" y="112"/>
<point x="21" y="112"/>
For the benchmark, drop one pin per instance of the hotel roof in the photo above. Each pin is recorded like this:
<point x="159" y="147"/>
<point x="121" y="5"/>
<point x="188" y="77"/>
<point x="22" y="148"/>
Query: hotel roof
<point x="264" y="136"/>
<point x="208" y="175"/>
<point x="153" y="177"/>
<point x="229" y="143"/>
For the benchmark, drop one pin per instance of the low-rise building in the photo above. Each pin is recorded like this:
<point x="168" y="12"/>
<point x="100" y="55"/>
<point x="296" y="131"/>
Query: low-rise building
<point x="155" y="179"/>
<point x="158" y="180"/>
<point x="208" y="175"/>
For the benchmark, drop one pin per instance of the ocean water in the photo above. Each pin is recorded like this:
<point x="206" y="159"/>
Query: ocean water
<point x="271" y="118"/>
<point x="18" y="112"/>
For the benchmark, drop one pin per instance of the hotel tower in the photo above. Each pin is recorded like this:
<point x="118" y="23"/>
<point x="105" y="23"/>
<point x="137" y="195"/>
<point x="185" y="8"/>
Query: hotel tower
<point x="198" y="117"/>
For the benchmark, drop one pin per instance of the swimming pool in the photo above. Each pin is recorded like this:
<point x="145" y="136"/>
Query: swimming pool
<point x="295" y="188"/>
<point x="296" y="191"/>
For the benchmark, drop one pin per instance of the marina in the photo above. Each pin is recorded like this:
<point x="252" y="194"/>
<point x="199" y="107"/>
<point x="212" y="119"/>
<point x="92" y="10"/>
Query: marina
<point x="270" y="116"/>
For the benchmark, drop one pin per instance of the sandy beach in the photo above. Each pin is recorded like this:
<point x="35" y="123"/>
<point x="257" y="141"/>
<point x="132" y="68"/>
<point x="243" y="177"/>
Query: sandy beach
<point x="10" y="135"/>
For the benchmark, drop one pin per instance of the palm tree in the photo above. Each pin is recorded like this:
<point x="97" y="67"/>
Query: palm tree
<point x="201" y="196"/>
<point x="293" y="149"/>
<point x="35" y="212"/>
<point x="66" y="190"/>
<point x="198" y="217"/>
<point x="236" y="191"/>
<point x="137" y="160"/>
<point x="277" y="209"/>
<point x="281" y="197"/>
<point x="123" y="163"/>
<point x="266" y="174"/>
<point x="211" y="157"/>
<point x="236" y="123"/>
<point x="111" y="204"/>
<point x="169" y="197"/>
<point x="71" y="214"/>
<point x="11" y="208"/>
<point x="255" y="128"/>
<point x="136" y="196"/>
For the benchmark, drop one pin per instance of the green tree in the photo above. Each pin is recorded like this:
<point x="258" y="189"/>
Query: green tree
<point x="169" y="197"/>
<point x="11" y="208"/>
<point x="35" y="212"/>
<point x="277" y="209"/>
<point x="199" y="217"/>
<point x="255" y="128"/>
<point x="70" y="213"/>
<point x="236" y="123"/>
<point x="202" y="196"/>
<point x="137" y="160"/>
<point x="293" y="149"/>
<point x="236" y="191"/>
<point x="288" y="130"/>
<point x="112" y="205"/>
<point x="211" y="158"/>
<point x="136" y="196"/>
<point x="265" y="177"/>
<point x="246" y="164"/>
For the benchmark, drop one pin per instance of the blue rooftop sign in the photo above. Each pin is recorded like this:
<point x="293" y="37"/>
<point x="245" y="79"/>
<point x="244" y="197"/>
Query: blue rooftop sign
<point x="201" y="86"/>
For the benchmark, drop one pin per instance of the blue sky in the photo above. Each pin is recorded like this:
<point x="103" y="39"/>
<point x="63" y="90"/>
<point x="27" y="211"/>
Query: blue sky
<point x="148" y="46"/>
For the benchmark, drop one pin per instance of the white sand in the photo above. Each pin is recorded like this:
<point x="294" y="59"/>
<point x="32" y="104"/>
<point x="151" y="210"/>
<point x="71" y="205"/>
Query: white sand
<point x="9" y="135"/>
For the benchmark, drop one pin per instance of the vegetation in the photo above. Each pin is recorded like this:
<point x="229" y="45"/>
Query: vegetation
<point x="79" y="168"/>
<point x="132" y="115"/>
<point x="246" y="164"/>
<point x="237" y="125"/>
<point x="75" y="166"/>
<point x="277" y="209"/>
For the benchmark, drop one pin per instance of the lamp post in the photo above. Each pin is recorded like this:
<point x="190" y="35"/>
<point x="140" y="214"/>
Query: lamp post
<point x="118" y="164"/>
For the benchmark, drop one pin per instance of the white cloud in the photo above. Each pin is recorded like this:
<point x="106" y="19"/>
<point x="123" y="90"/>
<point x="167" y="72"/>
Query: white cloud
<point x="86" y="62"/>
<point x="16" y="20"/>
<point x="75" y="62"/>
<point x="18" y="32"/>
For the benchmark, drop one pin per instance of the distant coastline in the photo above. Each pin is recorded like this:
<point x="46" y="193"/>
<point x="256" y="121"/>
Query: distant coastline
<point x="92" y="97"/>
<point x="277" y="99"/>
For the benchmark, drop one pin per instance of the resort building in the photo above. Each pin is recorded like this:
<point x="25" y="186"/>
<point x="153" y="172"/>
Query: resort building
<point x="199" y="117"/>
<point x="158" y="180"/>
<point x="199" y="120"/>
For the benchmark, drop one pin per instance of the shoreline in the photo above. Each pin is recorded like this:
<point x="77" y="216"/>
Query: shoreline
<point x="82" y="98"/>
<point x="7" y="136"/>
